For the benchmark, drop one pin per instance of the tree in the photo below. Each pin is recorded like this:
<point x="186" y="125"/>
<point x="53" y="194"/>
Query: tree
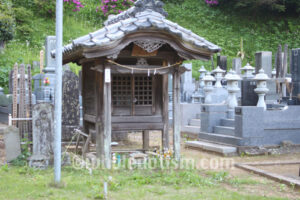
<point x="7" y="22"/>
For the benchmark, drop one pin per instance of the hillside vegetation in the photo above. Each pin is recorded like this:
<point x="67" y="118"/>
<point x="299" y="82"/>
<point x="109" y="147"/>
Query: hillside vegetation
<point x="223" y="27"/>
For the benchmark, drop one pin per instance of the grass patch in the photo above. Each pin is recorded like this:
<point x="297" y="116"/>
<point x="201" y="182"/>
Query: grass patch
<point x="27" y="183"/>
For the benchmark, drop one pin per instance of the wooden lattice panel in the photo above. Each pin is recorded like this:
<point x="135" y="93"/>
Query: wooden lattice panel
<point x="143" y="90"/>
<point x="121" y="90"/>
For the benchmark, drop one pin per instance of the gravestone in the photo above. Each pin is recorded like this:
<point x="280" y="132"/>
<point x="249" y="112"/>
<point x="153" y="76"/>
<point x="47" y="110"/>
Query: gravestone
<point x="249" y="97"/>
<point x="222" y="62"/>
<point x="237" y="65"/>
<point x="263" y="59"/>
<point x="295" y="71"/>
<point x="42" y="135"/>
<point x="70" y="104"/>
<point x="187" y="86"/>
<point x="49" y="71"/>
<point x="12" y="143"/>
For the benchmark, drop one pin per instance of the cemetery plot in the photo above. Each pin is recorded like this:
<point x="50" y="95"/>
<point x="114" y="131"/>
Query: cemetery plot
<point x="285" y="172"/>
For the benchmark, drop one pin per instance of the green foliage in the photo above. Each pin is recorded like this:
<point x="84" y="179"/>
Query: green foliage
<point x="21" y="160"/>
<point x="263" y="6"/>
<point x="7" y="22"/>
<point x="24" y="27"/>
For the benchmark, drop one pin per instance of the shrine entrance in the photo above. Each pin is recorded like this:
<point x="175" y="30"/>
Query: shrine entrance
<point x="132" y="95"/>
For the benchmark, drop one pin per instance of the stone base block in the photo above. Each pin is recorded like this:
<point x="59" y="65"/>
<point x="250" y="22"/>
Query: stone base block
<point x="39" y="161"/>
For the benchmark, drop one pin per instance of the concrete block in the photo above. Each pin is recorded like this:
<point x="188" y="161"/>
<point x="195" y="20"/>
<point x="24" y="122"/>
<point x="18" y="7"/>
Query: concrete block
<point x="225" y="150"/>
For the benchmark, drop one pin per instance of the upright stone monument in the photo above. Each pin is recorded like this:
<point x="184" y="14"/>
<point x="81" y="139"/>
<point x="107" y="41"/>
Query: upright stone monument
<point x="249" y="97"/>
<point x="295" y="71"/>
<point x="222" y="62"/>
<point x="263" y="60"/>
<point x="237" y="65"/>
<point x="49" y="71"/>
<point x="42" y="132"/>
<point x="12" y="143"/>
<point x="187" y="85"/>
<point x="70" y="104"/>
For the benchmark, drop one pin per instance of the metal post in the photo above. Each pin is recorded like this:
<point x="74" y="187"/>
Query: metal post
<point x="58" y="91"/>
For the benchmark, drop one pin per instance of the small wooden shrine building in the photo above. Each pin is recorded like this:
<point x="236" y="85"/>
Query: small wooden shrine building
<point x="125" y="67"/>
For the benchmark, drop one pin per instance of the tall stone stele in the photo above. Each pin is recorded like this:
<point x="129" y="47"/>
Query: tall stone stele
<point x="261" y="90"/>
<point x="49" y="70"/>
<point x="42" y="135"/>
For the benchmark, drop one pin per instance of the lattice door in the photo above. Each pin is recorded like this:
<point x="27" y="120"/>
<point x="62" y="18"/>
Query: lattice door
<point x="132" y="95"/>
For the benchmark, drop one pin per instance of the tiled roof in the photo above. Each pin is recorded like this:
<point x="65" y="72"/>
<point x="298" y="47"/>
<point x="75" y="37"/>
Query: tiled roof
<point x="146" y="14"/>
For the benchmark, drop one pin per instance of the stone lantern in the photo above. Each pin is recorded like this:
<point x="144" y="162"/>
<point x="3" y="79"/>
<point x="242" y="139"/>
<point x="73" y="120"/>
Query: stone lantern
<point x="208" y="88"/>
<point x="261" y="90"/>
<point x="202" y="71"/>
<point x="248" y="74"/>
<point x="233" y="88"/>
<point x="219" y="76"/>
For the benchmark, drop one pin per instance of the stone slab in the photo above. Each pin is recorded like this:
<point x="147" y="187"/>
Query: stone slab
<point x="222" y="149"/>
<point x="12" y="143"/>
<point x="282" y="179"/>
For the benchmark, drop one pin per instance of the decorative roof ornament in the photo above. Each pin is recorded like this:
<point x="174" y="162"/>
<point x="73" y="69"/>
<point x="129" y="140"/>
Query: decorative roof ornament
<point x="142" y="62"/>
<point x="139" y="6"/>
<point x="149" y="45"/>
<point x="157" y="6"/>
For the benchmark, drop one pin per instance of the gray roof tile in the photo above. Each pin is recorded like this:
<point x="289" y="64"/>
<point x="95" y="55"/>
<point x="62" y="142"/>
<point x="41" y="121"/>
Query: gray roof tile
<point x="133" y="20"/>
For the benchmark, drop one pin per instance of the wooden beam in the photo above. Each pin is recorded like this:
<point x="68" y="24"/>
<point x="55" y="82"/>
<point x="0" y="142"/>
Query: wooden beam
<point x="136" y="126"/>
<point x="176" y="114"/>
<point x="107" y="117"/>
<point x="146" y="140"/>
<point x="165" y="100"/>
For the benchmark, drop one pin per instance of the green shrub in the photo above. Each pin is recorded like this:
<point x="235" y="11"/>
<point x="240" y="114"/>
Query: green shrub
<point x="7" y="23"/>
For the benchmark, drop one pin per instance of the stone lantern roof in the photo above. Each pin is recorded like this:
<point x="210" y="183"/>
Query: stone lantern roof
<point x="232" y="76"/>
<point x="208" y="77"/>
<point x="218" y="70"/>
<point x="247" y="67"/>
<point x="261" y="76"/>
<point x="202" y="69"/>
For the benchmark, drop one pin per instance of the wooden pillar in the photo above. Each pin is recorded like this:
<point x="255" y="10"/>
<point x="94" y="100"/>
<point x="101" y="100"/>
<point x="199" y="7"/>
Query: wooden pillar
<point x="176" y="114"/>
<point x="107" y="117"/>
<point x="146" y="140"/>
<point x="165" y="96"/>
<point x="99" y="110"/>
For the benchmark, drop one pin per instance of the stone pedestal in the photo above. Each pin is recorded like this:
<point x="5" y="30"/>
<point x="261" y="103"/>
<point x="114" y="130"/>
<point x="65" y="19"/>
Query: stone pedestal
<point x="249" y="124"/>
<point x="211" y="116"/>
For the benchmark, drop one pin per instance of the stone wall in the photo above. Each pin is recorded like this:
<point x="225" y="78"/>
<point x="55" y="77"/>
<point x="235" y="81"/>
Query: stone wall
<point x="270" y="127"/>
<point x="189" y="111"/>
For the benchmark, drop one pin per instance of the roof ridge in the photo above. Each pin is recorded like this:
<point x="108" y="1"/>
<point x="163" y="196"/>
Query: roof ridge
<point x="139" y="6"/>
